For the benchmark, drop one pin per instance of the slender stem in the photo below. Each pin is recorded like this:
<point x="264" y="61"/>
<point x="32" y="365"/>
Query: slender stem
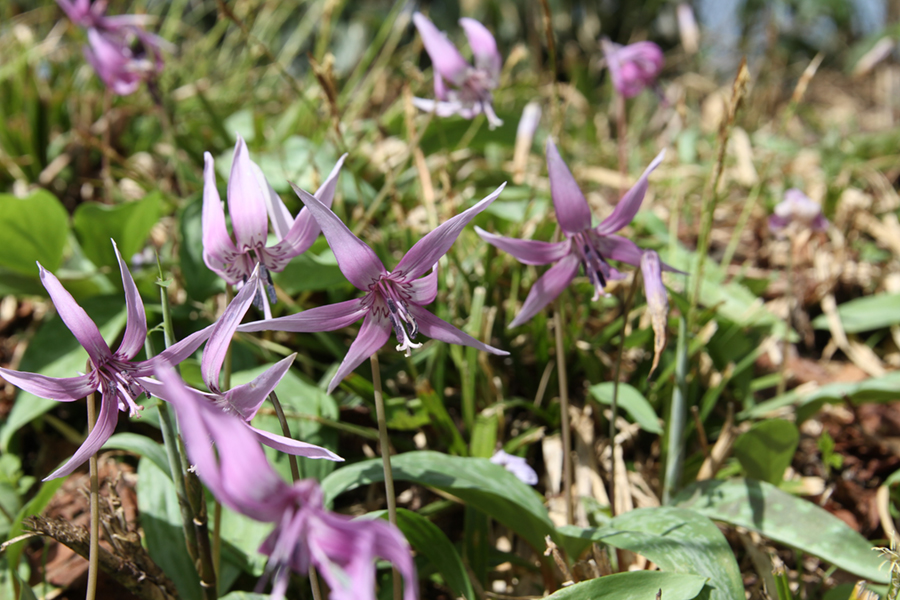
<point x="314" y="583"/>
<point x="621" y="134"/>
<point x="286" y="430"/>
<point x="785" y="338"/>
<point x="677" y="416"/>
<point x="385" y="443"/>
<point x="614" y="407"/>
<point x="94" y="552"/>
<point x="558" y="319"/>
<point x="217" y="506"/>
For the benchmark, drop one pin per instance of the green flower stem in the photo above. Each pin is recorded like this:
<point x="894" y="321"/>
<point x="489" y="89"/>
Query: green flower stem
<point x="217" y="506"/>
<point x="385" y="443"/>
<point x="558" y="319"/>
<point x="286" y="430"/>
<point x="785" y="338"/>
<point x="94" y="551"/>
<point x="677" y="417"/>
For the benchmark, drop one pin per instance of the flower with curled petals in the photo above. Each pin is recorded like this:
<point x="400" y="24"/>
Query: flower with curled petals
<point x="798" y="209"/>
<point x="460" y="88"/>
<point x="252" y="203"/>
<point x="236" y="471"/>
<point x="633" y="67"/>
<point x="588" y="247"/>
<point x="243" y="400"/>
<point x="114" y="374"/>
<point x="392" y="300"/>
<point x="516" y="465"/>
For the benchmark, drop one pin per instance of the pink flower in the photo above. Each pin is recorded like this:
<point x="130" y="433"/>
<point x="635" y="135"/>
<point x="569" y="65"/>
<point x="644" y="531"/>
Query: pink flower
<point x="516" y="465"/>
<point x="633" y="67"/>
<point x="470" y="88"/>
<point x="799" y="209"/>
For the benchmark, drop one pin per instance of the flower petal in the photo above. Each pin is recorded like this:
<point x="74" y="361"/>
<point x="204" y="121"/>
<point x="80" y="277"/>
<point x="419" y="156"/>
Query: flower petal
<point x="375" y="331"/>
<point x="246" y="399"/>
<point x="616" y="247"/>
<point x="107" y="417"/>
<point x="320" y="318"/>
<point x="62" y="389"/>
<point x="424" y="290"/>
<point x="547" y="288"/>
<point x="304" y="230"/>
<point x="291" y="446"/>
<point x="78" y="322"/>
<point x="484" y="48"/>
<point x="529" y="252"/>
<point x="426" y="252"/>
<point x="136" y="325"/>
<point x="357" y="261"/>
<point x="572" y="210"/>
<point x="445" y="58"/>
<point x="657" y="303"/>
<point x="174" y="354"/>
<point x="218" y="249"/>
<point x="444" y="109"/>
<point x="438" y="329"/>
<point x="247" y="201"/>
<point x="222" y="332"/>
<point x="630" y="202"/>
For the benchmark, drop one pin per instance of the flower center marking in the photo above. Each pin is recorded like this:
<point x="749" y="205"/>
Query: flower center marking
<point x="405" y="326"/>
<point x="592" y="262"/>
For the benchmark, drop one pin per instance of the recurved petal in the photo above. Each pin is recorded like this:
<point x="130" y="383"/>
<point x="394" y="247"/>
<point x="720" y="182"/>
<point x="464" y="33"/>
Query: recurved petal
<point x="424" y="290"/>
<point x="63" y="389"/>
<point x="375" y="331"/>
<point x="484" y="48"/>
<point x="630" y="202"/>
<point x="547" y="288"/>
<point x="657" y="302"/>
<point x="136" y="325"/>
<point x="107" y="418"/>
<point x="357" y="261"/>
<point x="218" y="249"/>
<point x="246" y="399"/>
<point x="622" y="249"/>
<point x="320" y="318"/>
<point x="247" y="201"/>
<point x="426" y="252"/>
<point x="443" y="109"/>
<point x="174" y="354"/>
<point x="279" y="215"/>
<point x="438" y="329"/>
<point x="222" y="332"/>
<point x="291" y="446"/>
<point x="572" y="210"/>
<point x="529" y="252"/>
<point x="78" y="322"/>
<point x="444" y="56"/>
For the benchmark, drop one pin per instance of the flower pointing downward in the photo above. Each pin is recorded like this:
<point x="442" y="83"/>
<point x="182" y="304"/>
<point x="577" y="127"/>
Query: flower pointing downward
<point x="393" y="300"/>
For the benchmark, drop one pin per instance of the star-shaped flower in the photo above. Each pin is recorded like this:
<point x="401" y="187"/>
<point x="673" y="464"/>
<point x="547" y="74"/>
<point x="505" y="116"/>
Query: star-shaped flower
<point x="393" y="299"/>
<point x="633" y="67"/>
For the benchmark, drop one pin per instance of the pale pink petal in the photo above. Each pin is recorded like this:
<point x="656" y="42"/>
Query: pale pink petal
<point x="245" y="400"/>
<point x="246" y="201"/>
<point x="107" y="417"/>
<point x="375" y="331"/>
<point x="292" y="446"/>
<point x="424" y="290"/>
<point x="572" y="210"/>
<point x="426" y="252"/>
<point x="484" y="48"/>
<point x="547" y="288"/>
<point x="445" y="58"/>
<point x="78" y="322"/>
<point x="529" y="252"/>
<point x="630" y="202"/>
<point x="136" y="325"/>
<point x="218" y="249"/>
<point x="616" y="247"/>
<point x="438" y="329"/>
<point x="445" y="109"/>
<point x="357" y="261"/>
<point x="657" y="303"/>
<point x="320" y="318"/>
<point x="222" y="332"/>
<point x="174" y="354"/>
<point x="62" y="389"/>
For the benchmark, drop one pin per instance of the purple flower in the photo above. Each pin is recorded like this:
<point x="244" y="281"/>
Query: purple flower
<point x="120" y="50"/>
<point x="470" y="91"/>
<point x="516" y="465"/>
<point x="632" y="67"/>
<point x="250" y="200"/>
<point x="393" y="299"/>
<point x="799" y="209"/>
<point x="243" y="400"/>
<point x="657" y="302"/>
<point x="589" y="247"/>
<point x="240" y="477"/>
<point x="114" y="373"/>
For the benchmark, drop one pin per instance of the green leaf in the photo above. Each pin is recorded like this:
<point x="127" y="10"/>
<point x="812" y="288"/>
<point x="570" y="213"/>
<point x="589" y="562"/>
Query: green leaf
<point x="764" y="508"/>
<point x="427" y="539"/>
<point x="476" y="481"/>
<point x="199" y="281"/>
<point x="632" y="402"/>
<point x="142" y="446"/>
<point x="316" y="269"/>
<point x="55" y="352"/>
<point x="34" y="229"/>
<point x="246" y="596"/>
<point x="677" y="540"/>
<point x="865" y="314"/>
<point x="766" y="450"/>
<point x="129" y="224"/>
<point x="636" y="585"/>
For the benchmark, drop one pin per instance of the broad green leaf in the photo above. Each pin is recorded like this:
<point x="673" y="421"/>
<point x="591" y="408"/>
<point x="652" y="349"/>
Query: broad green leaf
<point x="476" y="481"/>
<point x="129" y="224"/>
<point x="677" y="540"/>
<point x="34" y="229"/>
<point x="316" y="269"/>
<point x="54" y="351"/>
<point x="636" y="585"/>
<point x="427" y="539"/>
<point x="765" y="451"/>
<point x="792" y="521"/>
<point x="865" y="314"/>
<point x="632" y="402"/>
<point x="140" y="445"/>
<point x="199" y="281"/>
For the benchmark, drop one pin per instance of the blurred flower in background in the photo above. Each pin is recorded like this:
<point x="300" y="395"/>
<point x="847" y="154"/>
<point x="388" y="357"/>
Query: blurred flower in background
<point x="798" y="209"/>
<point x="633" y="67"/>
